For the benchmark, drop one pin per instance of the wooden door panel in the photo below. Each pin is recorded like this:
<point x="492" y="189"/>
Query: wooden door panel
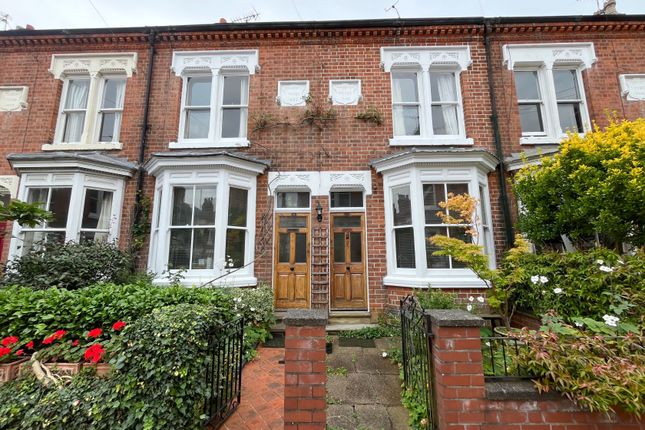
<point x="348" y="289"/>
<point x="292" y="288"/>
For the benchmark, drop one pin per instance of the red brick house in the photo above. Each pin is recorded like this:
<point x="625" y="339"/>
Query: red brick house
<point x="308" y="155"/>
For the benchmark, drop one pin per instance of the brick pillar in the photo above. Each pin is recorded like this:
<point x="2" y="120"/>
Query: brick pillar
<point x="305" y="370"/>
<point x="458" y="371"/>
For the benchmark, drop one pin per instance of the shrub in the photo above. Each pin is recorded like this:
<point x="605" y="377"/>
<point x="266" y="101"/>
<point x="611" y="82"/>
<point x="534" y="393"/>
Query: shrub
<point x="594" y="185"/>
<point x="256" y="306"/>
<point x="31" y="314"/>
<point x="158" y="381"/>
<point x="589" y="284"/>
<point x="437" y="299"/>
<point x="70" y="265"/>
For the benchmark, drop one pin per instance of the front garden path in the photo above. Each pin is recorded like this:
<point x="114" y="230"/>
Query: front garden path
<point x="364" y="389"/>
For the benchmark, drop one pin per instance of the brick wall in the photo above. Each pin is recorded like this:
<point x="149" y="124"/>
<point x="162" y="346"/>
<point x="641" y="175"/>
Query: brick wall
<point x="464" y="401"/>
<point x="318" y="56"/>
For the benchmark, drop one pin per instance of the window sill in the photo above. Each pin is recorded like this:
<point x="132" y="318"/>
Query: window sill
<point x="223" y="143"/>
<point x="233" y="280"/>
<point x="460" y="279"/>
<point x="431" y="141"/>
<point x="82" y="146"/>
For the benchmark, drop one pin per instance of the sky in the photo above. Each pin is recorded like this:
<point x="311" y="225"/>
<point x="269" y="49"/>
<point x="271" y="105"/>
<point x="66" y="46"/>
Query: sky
<point x="49" y="14"/>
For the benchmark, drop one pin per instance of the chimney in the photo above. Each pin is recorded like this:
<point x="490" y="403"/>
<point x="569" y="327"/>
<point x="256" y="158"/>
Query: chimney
<point x="29" y="27"/>
<point x="223" y="20"/>
<point x="609" y="8"/>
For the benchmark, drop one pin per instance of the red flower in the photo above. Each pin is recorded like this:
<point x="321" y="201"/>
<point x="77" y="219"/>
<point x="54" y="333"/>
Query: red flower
<point x="59" y="334"/>
<point x="75" y="343"/>
<point x="5" y="351"/>
<point x="94" y="353"/>
<point x="49" y="340"/>
<point x="9" y="340"/>
<point x="20" y="352"/>
<point x="30" y="344"/>
<point x="118" y="325"/>
<point x="95" y="333"/>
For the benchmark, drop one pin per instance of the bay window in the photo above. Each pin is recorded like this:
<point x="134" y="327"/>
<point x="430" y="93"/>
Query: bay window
<point x="414" y="183"/>
<point x="204" y="218"/>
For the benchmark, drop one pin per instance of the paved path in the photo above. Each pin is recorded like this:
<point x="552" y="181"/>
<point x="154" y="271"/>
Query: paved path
<point x="262" y="405"/>
<point x="368" y="396"/>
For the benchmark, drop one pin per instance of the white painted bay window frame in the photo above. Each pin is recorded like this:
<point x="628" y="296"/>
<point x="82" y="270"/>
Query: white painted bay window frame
<point x="222" y="174"/>
<point x="217" y="65"/>
<point x="416" y="170"/>
<point x="79" y="183"/>
<point x="96" y="68"/>
<point x="424" y="61"/>
<point x="545" y="59"/>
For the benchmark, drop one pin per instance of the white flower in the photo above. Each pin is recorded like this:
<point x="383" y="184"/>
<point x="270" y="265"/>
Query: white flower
<point x="544" y="279"/>
<point x="543" y="291"/>
<point x="252" y="309"/>
<point x="535" y="279"/>
<point x="600" y="262"/>
<point x="384" y="354"/>
<point x="480" y="299"/>
<point x="469" y="307"/>
<point x="611" y="320"/>
<point x="579" y="324"/>
<point x="238" y="299"/>
<point x="487" y="343"/>
<point x="471" y="298"/>
<point x="557" y="290"/>
<point x="606" y="269"/>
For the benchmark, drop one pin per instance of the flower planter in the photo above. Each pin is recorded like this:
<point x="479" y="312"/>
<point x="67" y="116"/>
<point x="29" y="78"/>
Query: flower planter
<point x="64" y="368"/>
<point x="9" y="371"/>
<point x="102" y="369"/>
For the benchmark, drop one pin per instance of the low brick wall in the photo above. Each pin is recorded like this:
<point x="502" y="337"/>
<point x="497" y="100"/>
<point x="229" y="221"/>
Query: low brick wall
<point x="521" y="319"/>
<point x="305" y="370"/>
<point x="464" y="401"/>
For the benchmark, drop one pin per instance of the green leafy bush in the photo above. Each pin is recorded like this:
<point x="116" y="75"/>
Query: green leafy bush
<point x="588" y="284"/>
<point x="437" y="299"/>
<point x="389" y="325"/>
<point x="31" y="314"/>
<point x="70" y="265"/>
<point x="256" y="306"/>
<point x="158" y="381"/>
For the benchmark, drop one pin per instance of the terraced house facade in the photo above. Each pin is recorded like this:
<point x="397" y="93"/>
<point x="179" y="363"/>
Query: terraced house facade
<point x="309" y="155"/>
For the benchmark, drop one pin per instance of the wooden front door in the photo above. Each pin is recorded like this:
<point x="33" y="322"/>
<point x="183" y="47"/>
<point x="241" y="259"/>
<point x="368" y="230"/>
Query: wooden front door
<point x="348" y="289"/>
<point x="291" y="286"/>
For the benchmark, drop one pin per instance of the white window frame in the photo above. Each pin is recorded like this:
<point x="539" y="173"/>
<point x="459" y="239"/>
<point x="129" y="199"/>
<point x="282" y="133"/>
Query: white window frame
<point x="216" y="64"/>
<point x="79" y="182"/>
<point x="545" y="58"/>
<point x="429" y="170"/>
<point x="186" y="173"/>
<point x="97" y="67"/>
<point x="100" y="110"/>
<point x="294" y="210"/>
<point x="424" y="61"/>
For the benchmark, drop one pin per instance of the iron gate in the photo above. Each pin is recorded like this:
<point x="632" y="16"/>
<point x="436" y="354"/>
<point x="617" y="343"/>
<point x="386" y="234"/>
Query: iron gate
<point x="416" y="337"/>
<point x="224" y="372"/>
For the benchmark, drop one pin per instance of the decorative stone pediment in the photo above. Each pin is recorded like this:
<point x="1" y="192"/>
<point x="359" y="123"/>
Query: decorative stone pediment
<point x="549" y="54"/>
<point x="93" y="63"/>
<point x="425" y="56"/>
<point x="286" y="181"/>
<point x="346" y="180"/>
<point x="213" y="61"/>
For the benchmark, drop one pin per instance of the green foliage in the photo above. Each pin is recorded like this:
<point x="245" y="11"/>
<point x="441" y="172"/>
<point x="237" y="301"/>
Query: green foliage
<point x="158" y="381"/>
<point x="597" y="372"/>
<point x="585" y="284"/>
<point x="437" y="299"/>
<point x="388" y="326"/>
<point x="594" y="185"/>
<point x="70" y="265"/>
<point x="25" y="214"/>
<point x="337" y="371"/>
<point x="31" y="314"/>
<point x="141" y="225"/>
<point x="371" y="114"/>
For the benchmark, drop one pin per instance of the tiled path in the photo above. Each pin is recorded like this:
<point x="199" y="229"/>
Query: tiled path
<point x="262" y="402"/>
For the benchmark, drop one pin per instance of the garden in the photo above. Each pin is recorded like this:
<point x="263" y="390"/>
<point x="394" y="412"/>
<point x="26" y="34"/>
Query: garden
<point x="576" y="271"/>
<point x="114" y="351"/>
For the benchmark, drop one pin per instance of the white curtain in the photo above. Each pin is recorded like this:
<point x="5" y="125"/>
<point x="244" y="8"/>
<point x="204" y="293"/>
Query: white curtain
<point x="120" y="94"/>
<point x="447" y="93"/>
<point x="77" y="91"/>
<point x="105" y="210"/>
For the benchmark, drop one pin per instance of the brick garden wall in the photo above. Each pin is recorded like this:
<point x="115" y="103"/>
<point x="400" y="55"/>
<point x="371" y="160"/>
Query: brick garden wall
<point x="464" y="401"/>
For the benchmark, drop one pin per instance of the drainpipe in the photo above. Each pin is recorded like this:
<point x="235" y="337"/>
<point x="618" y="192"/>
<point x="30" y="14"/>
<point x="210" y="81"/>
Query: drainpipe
<point x="143" y="141"/>
<point x="501" y="168"/>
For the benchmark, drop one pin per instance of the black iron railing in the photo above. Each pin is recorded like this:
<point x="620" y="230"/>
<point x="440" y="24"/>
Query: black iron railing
<point x="416" y="339"/>
<point x="224" y="372"/>
<point x="501" y="358"/>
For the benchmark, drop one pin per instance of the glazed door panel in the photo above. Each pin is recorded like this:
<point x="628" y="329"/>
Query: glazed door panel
<point x="291" y="286"/>
<point x="348" y="289"/>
